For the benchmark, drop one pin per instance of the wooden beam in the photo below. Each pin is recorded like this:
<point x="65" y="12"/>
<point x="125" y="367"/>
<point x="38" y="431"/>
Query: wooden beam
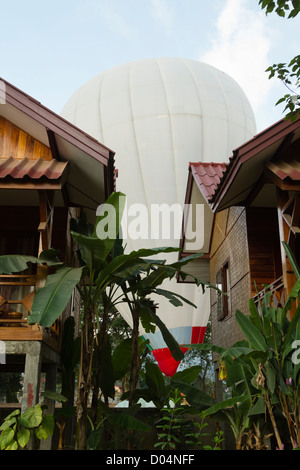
<point x="33" y="186"/>
<point x="296" y="212"/>
<point x="46" y="219"/>
<point x="53" y="145"/>
<point x="282" y="184"/>
<point x="285" y="203"/>
<point x="283" y="146"/>
<point x="56" y="155"/>
<point x="255" y="190"/>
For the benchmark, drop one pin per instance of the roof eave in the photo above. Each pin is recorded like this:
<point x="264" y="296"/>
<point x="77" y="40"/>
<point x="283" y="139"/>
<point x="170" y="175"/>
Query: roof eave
<point x="55" y="123"/>
<point x="259" y="143"/>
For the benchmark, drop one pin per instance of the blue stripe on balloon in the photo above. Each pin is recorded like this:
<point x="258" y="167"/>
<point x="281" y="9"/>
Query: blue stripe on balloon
<point x="182" y="334"/>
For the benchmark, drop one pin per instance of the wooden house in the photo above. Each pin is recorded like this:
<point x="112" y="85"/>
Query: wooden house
<point x="252" y="204"/>
<point x="49" y="170"/>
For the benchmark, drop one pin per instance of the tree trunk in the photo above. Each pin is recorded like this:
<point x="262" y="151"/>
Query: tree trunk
<point x="135" y="359"/>
<point x="238" y="442"/>
<point x="273" y="421"/>
<point x="102" y="338"/>
<point x="84" y="379"/>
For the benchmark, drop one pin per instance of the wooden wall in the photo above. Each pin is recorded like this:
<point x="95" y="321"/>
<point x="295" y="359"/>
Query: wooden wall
<point x="264" y="246"/>
<point x="16" y="143"/>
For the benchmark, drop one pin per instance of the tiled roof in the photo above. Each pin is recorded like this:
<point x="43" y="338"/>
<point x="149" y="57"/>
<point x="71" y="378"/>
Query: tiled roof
<point x="15" y="168"/>
<point x="285" y="170"/>
<point x="207" y="176"/>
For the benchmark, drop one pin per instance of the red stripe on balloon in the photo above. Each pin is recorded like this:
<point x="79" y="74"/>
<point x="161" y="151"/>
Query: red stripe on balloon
<point x="166" y="361"/>
<point x="198" y="333"/>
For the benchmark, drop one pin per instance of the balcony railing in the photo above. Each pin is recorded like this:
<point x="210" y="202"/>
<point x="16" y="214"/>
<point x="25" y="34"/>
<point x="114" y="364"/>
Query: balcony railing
<point x="16" y="296"/>
<point x="276" y="288"/>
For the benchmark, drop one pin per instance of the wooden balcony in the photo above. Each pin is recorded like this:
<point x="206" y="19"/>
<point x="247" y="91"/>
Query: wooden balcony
<point x="276" y="288"/>
<point x="16" y="297"/>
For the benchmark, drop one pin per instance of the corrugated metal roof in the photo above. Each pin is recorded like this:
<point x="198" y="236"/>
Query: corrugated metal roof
<point x="285" y="170"/>
<point x="31" y="169"/>
<point x="207" y="176"/>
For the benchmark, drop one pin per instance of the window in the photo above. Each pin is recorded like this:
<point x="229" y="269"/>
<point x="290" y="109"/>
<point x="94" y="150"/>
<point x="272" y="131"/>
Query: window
<point x="223" y="283"/>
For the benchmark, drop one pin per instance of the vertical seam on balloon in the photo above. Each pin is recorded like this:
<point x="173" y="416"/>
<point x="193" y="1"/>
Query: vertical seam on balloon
<point x="171" y="129"/>
<point x="215" y="74"/>
<point x="100" y="114"/>
<point x="135" y="135"/>
<point x="200" y="105"/>
<point x="245" y="113"/>
<point x="76" y="110"/>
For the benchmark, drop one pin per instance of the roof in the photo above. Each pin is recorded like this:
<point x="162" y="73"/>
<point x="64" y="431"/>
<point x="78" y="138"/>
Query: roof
<point x="203" y="177"/>
<point x="207" y="176"/>
<point x="250" y="161"/>
<point x="288" y="171"/>
<point x="26" y="169"/>
<point x="91" y="164"/>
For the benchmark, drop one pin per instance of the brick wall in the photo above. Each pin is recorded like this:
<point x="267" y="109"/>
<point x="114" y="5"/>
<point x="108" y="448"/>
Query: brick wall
<point x="229" y="244"/>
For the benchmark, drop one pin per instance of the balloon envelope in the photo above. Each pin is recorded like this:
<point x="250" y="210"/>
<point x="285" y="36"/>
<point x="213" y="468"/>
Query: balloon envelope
<point x="158" y="115"/>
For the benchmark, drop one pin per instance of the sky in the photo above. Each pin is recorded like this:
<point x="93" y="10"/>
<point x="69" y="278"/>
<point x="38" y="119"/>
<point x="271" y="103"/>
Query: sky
<point x="50" y="49"/>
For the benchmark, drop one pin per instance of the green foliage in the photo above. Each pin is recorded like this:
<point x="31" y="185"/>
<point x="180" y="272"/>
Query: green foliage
<point x="281" y="7"/>
<point x="287" y="72"/>
<point x="10" y="386"/>
<point x="170" y="424"/>
<point x="16" y="428"/>
<point x="175" y="428"/>
<point x="217" y="442"/>
<point x="10" y="264"/>
<point x="156" y="388"/>
<point x="114" y="427"/>
<point x="263" y="371"/>
<point x="106" y="276"/>
<point x="51" y="300"/>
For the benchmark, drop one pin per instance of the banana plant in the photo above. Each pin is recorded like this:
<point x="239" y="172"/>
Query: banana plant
<point x="273" y="338"/>
<point x="236" y="370"/>
<point x="263" y="370"/>
<point x="132" y="278"/>
<point x="108" y="275"/>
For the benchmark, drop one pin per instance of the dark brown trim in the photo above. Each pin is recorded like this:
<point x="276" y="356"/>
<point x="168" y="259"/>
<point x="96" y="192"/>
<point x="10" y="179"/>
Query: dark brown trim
<point x="187" y="200"/>
<point x="13" y="185"/>
<point x="53" y="145"/>
<point x="223" y="298"/>
<point x="110" y="176"/>
<point x="183" y="254"/>
<point x="255" y="190"/>
<point x="56" y="156"/>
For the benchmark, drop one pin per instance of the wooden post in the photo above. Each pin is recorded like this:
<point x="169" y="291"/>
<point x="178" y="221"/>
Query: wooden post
<point x="287" y="217"/>
<point x="46" y="219"/>
<point x="32" y="375"/>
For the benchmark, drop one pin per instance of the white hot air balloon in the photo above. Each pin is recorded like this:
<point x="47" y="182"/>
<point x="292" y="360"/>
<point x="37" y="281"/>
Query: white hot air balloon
<point x="158" y="115"/>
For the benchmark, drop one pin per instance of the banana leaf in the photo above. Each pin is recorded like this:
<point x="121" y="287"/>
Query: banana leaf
<point x="253" y="334"/>
<point x="169" y="339"/>
<point x="10" y="264"/>
<point x="223" y="405"/>
<point x="292" y="259"/>
<point x="50" y="301"/>
<point x="113" y="270"/>
<point x="94" y="249"/>
<point x="194" y="396"/>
